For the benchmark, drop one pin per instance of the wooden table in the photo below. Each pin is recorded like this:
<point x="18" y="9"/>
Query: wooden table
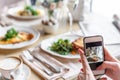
<point x="5" y="53"/>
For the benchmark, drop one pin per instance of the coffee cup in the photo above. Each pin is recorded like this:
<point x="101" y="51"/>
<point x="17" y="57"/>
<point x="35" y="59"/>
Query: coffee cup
<point x="10" y="67"/>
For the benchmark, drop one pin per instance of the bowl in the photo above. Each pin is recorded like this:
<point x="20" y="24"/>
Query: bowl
<point x="50" y="26"/>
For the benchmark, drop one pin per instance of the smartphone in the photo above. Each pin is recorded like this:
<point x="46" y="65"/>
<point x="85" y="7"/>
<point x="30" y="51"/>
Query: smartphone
<point x="94" y="52"/>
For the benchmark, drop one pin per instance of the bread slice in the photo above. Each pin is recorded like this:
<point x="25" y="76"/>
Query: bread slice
<point x="78" y="43"/>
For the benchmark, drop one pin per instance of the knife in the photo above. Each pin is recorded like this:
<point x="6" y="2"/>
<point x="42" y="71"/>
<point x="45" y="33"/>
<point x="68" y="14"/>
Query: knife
<point x="53" y="68"/>
<point x="29" y="57"/>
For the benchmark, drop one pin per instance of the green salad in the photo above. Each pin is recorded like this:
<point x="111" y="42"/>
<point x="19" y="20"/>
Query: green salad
<point x="10" y="34"/>
<point x="28" y="11"/>
<point x="33" y="11"/>
<point x="61" y="46"/>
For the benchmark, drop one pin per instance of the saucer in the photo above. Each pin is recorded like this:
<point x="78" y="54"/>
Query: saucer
<point x="24" y="75"/>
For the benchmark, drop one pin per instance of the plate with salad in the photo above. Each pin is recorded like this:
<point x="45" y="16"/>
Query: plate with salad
<point x="61" y="46"/>
<point x="26" y="12"/>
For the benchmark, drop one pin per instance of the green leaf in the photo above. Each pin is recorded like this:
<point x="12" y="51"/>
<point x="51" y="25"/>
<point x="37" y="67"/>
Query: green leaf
<point x="10" y="34"/>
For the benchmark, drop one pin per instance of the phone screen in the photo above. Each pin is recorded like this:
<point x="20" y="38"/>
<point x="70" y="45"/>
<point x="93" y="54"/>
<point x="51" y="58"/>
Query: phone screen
<point x="94" y="53"/>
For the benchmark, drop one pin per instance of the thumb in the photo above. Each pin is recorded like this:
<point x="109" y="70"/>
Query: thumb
<point x="106" y="65"/>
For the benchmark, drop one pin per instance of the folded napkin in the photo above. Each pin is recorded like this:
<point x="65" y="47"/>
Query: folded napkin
<point x="64" y="68"/>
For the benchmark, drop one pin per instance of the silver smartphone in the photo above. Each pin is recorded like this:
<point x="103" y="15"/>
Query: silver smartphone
<point x="94" y="52"/>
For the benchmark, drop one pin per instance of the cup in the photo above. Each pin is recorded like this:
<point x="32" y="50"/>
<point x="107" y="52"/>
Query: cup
<point x="10" y="68"/>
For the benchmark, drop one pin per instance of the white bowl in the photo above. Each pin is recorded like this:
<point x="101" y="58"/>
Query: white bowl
<point x="50" y="29"/>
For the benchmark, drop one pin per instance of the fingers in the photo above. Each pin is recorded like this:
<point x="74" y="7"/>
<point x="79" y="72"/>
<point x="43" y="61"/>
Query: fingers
<point x="105" y="65"/>
<point x="104" y="78"/>
<point x="81" y="76"/>
<point x="109" y="57"/>
<point x="81" y="69"/>
<point x="79" y="60"/>
<point x="83" y="60"/>
<point x="86" y="68"/>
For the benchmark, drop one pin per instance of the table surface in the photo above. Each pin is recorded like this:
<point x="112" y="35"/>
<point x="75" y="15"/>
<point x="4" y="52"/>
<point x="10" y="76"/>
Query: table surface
<point x="114" y="49"/>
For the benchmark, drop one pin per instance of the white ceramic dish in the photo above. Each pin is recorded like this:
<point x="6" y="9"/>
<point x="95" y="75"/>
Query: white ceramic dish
<point x="24" y="75"/>
<point x="48" y="42"/>
<point x="13" y="12"/>
<point x="50" y="29"/>
<point x="35" y="33"/>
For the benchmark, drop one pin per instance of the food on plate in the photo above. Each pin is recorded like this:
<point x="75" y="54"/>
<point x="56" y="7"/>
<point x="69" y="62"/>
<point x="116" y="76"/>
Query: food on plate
<point x="78" y="43"/>
<point x="62" y="46"/>
<point x="29" y="11"/>
<point x="12" y="36"/>
<point x="93" y="58"/>
<point x="65" y="47"/>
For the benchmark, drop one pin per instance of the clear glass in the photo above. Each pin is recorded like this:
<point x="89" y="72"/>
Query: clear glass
<point x="61" y="15"/>
<point x="70" y="22"/>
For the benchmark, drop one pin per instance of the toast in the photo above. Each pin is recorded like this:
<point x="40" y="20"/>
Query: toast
<point x="78" y="43"/>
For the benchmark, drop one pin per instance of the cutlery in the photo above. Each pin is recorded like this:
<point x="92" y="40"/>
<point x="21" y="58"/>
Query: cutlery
<point x="53" y="68"/>
<point x="40" y="66"/>
<point x="4" y="24"/>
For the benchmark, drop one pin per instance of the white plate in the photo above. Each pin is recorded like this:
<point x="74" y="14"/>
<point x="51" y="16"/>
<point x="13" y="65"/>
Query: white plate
<point x="48" y="42"/>
<point x="13" y="12"/>
<point x="35" y="33"/>
<point x="24" y="75"/>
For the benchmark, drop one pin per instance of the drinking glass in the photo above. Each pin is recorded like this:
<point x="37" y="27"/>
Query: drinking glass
<point x="70" y="22"/>
<point x="61" y="15"/>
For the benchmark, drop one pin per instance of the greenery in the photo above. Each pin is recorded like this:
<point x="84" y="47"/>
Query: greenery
<point x="30" y="8"/>
<point x="10" y="34"/>
<point x="50" y="12"/>
<point x="56" y="0"/>
<point x="61" y="46"/>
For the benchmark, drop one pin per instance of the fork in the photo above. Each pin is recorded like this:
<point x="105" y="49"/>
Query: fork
<point x="52" y="67"/>
<point x="40" y="66"/>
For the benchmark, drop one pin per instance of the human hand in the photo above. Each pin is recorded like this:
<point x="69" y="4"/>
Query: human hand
<point x="109" y="57"/>
<point x="87" y="73"/>
<point x="112" y="66"/>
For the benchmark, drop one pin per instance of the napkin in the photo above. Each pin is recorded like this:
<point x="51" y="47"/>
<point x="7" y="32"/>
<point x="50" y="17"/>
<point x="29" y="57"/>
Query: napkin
<point x="64" y="68"/>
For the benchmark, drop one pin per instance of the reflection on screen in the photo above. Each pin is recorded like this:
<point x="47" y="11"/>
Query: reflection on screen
<point x="94" y="52"/>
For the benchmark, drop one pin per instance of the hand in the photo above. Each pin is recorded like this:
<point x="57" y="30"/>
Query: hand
<point x="109" y="57"/>
<point x="112" y="66"/>
<point x="87" y="73"/>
